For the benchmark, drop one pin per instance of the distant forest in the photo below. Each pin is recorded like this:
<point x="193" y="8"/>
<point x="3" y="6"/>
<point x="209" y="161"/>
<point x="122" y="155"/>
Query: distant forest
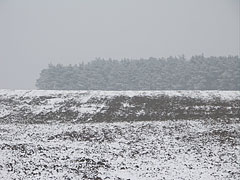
<point x="173" y="73"/>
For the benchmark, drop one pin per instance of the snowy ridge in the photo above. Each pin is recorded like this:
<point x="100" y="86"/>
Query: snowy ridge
<point x="82" y="106"/>
<point x="228" y="95"/>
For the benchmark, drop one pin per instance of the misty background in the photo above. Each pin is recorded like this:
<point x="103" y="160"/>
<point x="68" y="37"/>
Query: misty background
<point x="36" y="33"/>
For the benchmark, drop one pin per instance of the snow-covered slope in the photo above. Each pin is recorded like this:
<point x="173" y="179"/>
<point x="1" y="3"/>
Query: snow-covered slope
<point x="37" y="106"/>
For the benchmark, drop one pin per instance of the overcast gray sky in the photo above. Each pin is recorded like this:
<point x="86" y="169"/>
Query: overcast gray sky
<point x="34" y="33"/>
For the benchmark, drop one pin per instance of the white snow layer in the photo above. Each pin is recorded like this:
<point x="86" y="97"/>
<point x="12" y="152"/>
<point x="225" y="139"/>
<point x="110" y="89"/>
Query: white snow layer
<point x="168" y="150"/>
<point x="55" y="98"/>
<point x="228" y="95"/>
<point x="120" y="151"/>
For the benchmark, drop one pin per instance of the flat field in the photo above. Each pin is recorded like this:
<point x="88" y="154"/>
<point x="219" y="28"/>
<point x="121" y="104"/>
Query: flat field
<point x="119" y="135"/>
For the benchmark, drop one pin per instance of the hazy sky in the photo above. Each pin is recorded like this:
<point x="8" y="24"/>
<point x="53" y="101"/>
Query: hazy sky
<point x="34" y="33"/>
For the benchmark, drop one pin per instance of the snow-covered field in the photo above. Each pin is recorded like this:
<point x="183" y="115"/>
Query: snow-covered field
<point x="136" y="151"/>
<point x="36" y="106"/>
<point x="205" y="145"/>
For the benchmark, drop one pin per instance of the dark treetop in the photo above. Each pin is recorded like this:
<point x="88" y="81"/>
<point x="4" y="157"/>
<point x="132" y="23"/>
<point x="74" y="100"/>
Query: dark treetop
<point x="173" y="73"/>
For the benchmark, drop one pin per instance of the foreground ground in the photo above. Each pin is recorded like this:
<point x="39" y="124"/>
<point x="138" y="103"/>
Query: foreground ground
<point x="121" y="135"/>
<point x="183" y="149"/>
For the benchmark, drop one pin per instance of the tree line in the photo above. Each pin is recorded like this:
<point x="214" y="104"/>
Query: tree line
<point x="172" y="73"/>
